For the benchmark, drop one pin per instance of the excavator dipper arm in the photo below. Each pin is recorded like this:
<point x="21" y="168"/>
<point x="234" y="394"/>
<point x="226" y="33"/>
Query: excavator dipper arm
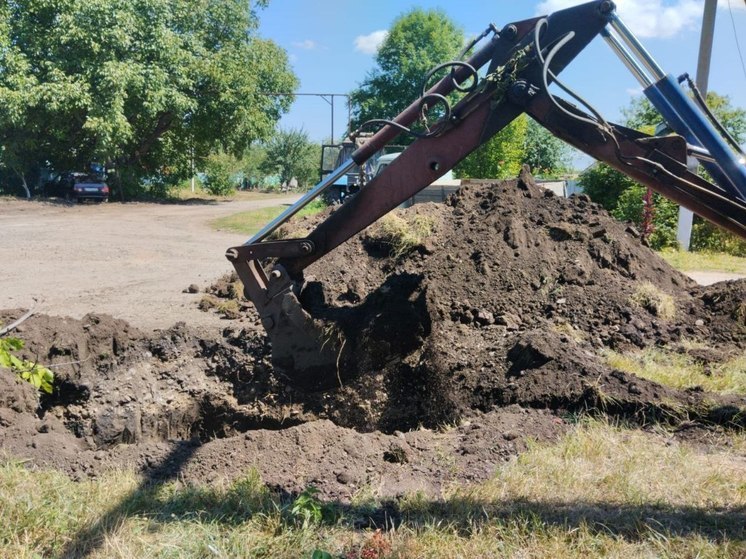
<point x="517" y="65"/>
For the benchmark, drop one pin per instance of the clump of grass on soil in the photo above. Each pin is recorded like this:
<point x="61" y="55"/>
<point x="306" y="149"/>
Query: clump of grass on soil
<point x="566" y="328"/>
<point x="402" y="235"/>
<point x="679" y="370"/>
<point x="600" y="491"/>
<point x="235" y="290"/>
<point x="654" y="300"/>
<point x="229" y="309"/>
<point x="208" y="302"/>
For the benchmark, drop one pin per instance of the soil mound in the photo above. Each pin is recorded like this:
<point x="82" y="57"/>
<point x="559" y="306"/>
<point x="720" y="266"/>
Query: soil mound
<point x="508" y="300"/>
<point x="178" y="404"/>
<point x="481" y="335"/>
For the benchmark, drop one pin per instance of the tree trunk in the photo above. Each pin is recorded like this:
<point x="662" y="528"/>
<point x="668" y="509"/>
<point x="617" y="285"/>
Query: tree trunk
<point x="23" y="183"/>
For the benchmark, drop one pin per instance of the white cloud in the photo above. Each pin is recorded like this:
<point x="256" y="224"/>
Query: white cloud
<point x="369" y="43"/>
<point x="648" y="18"/>
<point x="634" y="91"/>
<point x="307" y="44"/>
<point x="734" y="4"/>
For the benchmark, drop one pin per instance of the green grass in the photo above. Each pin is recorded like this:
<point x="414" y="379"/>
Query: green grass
<point x="679" y="370"/>
<point x="704" y="261"/>
<point x="248" y="223"/>
<point x="601" y="491"/>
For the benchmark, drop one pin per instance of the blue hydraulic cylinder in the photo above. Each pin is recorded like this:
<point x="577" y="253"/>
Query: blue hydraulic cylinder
<point x="687" y="120"/>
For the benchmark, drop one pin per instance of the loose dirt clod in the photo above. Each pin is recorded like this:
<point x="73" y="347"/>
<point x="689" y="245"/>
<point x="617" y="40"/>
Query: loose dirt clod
<point x="485" y="333"/>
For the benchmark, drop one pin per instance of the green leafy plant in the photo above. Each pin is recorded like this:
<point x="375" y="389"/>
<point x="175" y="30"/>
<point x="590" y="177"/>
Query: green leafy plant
<point x="218" y="168"/>
<point x="41" y="377"/>
<point x="307" y="508"/>
<point x="661" y="229"/>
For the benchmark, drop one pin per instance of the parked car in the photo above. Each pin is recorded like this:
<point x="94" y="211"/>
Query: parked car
<point x="78" y="187"/>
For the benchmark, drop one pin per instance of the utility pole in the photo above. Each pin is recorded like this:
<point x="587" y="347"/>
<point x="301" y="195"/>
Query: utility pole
<point x="328" y="97"/>
<point x="686" y="217"/>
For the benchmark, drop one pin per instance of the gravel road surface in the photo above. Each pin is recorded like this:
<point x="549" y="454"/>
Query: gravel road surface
<point x="129" y="260"/>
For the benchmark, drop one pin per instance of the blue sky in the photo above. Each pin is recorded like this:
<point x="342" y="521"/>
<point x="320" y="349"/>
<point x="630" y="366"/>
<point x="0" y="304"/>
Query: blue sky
<point x="331" y="44"/>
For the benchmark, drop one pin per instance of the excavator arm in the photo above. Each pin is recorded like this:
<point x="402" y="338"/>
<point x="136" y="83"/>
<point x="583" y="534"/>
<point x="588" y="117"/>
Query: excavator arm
<point x="506" y="77"/>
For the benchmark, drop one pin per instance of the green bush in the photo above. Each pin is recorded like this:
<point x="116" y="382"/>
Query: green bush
<point x="711" y="238"/>
<point x="629" y="207"/>
<point x="604" y="184"/>
<point x="218" y="169"/>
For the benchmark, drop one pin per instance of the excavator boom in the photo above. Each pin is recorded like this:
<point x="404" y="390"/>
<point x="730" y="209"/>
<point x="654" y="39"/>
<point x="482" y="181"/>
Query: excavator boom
<point x="509" y="75"/>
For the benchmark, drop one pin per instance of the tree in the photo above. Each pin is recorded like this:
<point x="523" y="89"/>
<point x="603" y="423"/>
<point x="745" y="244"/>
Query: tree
<point x="220" y="169"/>
<point x="251" y="164"/>
<point x="604" y="184"/>
<point x="289" y="153"/>
<point x="501" y="157"/>
<point x="138" y="85"/>
<point x="631" y="205"/>
<point x="544" y="152"/>
<point x="641" y="114"/>
<point x="418" y="41"/>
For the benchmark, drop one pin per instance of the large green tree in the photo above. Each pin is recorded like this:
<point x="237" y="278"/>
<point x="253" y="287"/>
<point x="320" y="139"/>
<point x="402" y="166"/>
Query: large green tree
<point x="641" y="114"/>
<point x="145" y="85"/>
<point x="500" y="157"/>
<point x="418" y="41"/>
<point x="544" y="152"/>
<point x="290" y="153"/>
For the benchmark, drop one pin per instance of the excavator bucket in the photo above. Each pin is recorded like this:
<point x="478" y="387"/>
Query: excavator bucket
<point x="304" y="350"/>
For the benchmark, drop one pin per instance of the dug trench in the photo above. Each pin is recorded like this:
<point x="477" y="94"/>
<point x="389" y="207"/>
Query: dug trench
<point x="486" y="333"/>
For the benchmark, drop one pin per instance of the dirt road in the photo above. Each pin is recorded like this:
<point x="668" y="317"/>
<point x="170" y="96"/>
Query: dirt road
<point x="708" y="278"/>
<point x="128" y="260"/>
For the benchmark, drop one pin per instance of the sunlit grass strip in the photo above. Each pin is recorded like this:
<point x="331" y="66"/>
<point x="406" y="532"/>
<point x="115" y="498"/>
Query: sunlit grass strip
<point x="601" y="491"/>
<point x="248" y="223"/>
<point x="238" y="195"/>
<point x="679" y="370"/>
<point x="704" y="261"/>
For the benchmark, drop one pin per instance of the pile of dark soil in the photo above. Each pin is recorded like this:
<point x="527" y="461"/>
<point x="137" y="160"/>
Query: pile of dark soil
<point x="486" y="335"/>
<point x="174" y="404"/>
<point x="510" y="300"/>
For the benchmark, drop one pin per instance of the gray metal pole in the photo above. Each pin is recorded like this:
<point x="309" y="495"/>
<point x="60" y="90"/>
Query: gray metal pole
<point x="686" y="217"/>
<point x="705" y="45"/>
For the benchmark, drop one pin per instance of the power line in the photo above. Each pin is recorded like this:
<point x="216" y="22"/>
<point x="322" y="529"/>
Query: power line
<point x="328" y="97"/>
<point x="735" y="34"/>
